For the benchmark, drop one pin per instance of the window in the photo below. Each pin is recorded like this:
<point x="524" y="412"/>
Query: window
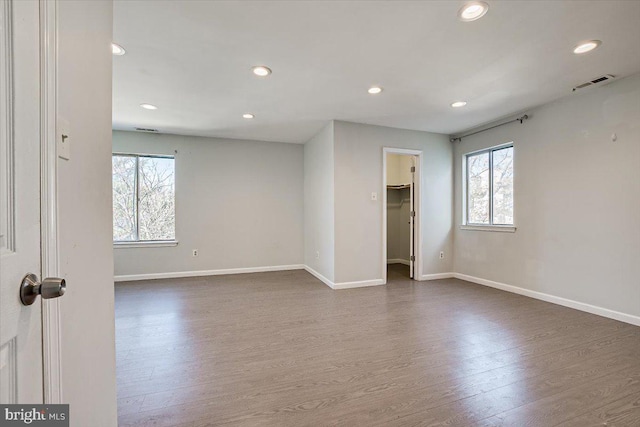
<point x="143" y="198"/>
<point x="490" y="187"/>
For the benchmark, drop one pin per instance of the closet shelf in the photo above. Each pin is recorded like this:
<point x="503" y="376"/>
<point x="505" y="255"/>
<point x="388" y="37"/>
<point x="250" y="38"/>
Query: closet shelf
<point x="398" y="186"/>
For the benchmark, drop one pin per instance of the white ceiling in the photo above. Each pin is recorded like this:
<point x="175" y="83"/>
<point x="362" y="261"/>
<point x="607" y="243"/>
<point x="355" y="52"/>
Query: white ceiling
<point x="193" y="60"/>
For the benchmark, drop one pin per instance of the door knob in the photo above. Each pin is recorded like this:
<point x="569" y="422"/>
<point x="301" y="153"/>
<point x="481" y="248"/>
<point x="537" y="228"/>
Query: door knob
<point x="30" y="288"/>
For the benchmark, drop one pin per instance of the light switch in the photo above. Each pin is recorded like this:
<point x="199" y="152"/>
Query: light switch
<point x="374" y="196"/>
<point x="64" y="139"/>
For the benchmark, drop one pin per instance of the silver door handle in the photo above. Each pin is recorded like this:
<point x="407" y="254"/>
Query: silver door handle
<point x="51" y="287"/>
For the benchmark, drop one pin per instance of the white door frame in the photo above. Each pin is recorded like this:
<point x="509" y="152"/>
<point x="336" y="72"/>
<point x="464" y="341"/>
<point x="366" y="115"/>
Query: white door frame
<point x="418" y="203"/>
<point x="51" y="344"/>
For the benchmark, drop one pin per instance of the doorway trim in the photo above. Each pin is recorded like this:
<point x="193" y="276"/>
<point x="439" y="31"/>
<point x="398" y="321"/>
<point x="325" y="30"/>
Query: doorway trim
<point x="418" y="204"/>
<point x="50" y="267"/>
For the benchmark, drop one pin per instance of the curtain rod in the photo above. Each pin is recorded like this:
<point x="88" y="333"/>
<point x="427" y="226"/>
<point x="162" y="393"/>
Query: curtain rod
<point x="519" y="119"/>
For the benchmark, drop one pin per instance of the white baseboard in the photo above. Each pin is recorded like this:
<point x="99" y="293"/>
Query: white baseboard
<point x="199" y="273"/>
<point x="600" y="311"/>
<point x="436" y="276"/>
<point x="398" y="261"/>
<point x="319" y="276"/>
<point x="360" y="284"/>
<point x="344" y="285"/>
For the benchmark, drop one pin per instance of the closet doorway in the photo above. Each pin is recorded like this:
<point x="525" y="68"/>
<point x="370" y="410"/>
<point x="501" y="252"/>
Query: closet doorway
<point x="401" y="214"/>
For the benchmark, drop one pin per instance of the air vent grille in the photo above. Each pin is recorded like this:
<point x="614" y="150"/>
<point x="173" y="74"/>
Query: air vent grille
<point x="597" y="80"/>
<point x="146" y="130"/>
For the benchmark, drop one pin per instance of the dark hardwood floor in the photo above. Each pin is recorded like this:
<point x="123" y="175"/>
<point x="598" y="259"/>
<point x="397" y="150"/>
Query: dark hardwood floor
<point x="282" y="349"/>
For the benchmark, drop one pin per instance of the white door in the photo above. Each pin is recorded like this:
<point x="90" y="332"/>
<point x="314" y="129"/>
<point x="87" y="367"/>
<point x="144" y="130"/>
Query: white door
<point x="20" y="326"/>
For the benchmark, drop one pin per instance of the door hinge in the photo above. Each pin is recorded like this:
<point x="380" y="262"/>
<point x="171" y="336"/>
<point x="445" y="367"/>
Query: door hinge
<point x="413" y="257"/>
<point x="413" y="168"/>
<point x="413" y="214"/>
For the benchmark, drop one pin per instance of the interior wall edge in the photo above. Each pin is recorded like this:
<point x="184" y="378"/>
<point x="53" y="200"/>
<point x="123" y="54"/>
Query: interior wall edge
<point x="319" y="276"/>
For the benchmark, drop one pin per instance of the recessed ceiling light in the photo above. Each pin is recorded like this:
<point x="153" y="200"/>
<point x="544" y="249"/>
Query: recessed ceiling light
<point x="248" y="116"/>
<point x="374" y="90"/>
<point x="116" y="49"/>
<point x="473" y="10"/>
<point x="459" y="104"/>
<point x="261" y="71"/>
<point x="149" y="106"/>
<point x="587" y="46"/>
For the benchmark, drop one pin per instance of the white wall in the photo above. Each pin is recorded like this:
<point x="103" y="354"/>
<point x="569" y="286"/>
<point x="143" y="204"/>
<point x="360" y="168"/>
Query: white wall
<point x="319" y="237"/>
<point x="577" y="201"/>
<point x="84" y="182"/>
<point x="358" y="219"/>
<point x="240" y="203"/>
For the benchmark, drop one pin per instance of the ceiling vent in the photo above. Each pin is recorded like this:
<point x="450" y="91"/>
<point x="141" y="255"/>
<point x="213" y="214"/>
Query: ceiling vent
<point x="597" y="81"/>
<point x="146" y="130"/>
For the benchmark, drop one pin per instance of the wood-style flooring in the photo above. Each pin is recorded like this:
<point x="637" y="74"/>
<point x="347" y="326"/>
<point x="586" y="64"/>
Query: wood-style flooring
<point x="283" y="349"/>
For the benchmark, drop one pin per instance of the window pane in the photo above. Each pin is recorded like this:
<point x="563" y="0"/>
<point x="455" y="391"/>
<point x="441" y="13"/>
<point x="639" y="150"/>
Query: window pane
<point x="503" y="186"/>
<point x="478" y="189"/>
<point x="156" y="205"/>
<point x="124" y="194"/>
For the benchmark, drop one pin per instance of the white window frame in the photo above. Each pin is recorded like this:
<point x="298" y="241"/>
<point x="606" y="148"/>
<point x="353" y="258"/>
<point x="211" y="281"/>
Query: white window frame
<point x="137" y="242"/>
<point x="466" y="225"/>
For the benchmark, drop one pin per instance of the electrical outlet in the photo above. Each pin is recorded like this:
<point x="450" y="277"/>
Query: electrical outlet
<point x="441" y="255"/>
<point x="195" y="252"/>
<point x="317" y="254"/>
<point x="374" y="196"/>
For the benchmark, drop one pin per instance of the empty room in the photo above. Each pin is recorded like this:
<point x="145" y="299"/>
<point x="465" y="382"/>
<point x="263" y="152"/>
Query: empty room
<point x="314" y="213"/>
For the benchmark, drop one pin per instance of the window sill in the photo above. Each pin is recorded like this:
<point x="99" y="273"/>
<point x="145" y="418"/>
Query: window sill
<point x="150" y="244"/>
<point x="498" y="228"/>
